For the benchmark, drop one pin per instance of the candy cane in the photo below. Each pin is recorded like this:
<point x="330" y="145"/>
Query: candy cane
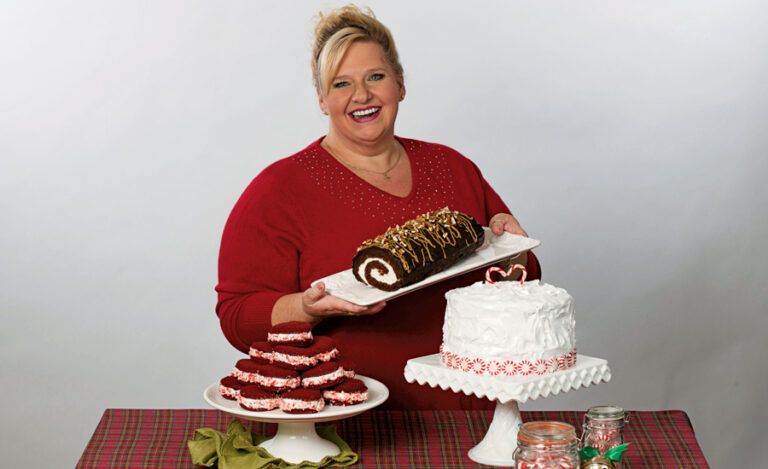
<point x="521" y="267"/>
<point x="504" y="273"/>
<point x="490" y="270"/>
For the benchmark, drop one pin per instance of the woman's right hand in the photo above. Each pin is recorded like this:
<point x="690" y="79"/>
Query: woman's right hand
<point x="318" y="303"/>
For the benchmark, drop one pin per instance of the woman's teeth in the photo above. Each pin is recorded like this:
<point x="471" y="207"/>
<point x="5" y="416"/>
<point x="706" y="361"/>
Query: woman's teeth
<point x="365" y="112"/>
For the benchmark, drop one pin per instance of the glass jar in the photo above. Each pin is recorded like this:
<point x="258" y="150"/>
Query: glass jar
<point x="547" y="445"/>
<point x="604" y="428"/>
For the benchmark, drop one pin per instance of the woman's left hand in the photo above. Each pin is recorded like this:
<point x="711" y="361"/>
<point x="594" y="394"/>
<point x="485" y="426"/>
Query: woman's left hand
<point x="502" y="222"/>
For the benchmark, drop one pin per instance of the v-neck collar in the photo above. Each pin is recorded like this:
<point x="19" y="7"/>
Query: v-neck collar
<point x="414" y="175"/>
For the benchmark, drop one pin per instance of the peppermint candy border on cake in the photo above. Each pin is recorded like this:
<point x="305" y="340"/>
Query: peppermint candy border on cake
<point x="523" y="367"/>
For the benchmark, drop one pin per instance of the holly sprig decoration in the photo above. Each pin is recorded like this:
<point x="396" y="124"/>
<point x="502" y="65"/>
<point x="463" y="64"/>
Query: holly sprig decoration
<point x="588" y="452"/>
<point x="613" y="454"/>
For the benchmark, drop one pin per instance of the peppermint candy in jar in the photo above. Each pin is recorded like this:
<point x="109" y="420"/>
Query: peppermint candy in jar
<point x="603" y="434"/>
<point x="547" y="445"/>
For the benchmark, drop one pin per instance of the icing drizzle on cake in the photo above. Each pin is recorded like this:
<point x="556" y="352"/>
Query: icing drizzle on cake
<point x="414" y="241"/>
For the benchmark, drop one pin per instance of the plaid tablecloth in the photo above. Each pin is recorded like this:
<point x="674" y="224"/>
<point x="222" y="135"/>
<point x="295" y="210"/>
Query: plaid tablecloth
<point x="148" y="438"/>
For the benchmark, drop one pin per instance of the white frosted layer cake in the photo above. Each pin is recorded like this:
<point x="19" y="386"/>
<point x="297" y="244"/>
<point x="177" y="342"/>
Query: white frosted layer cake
<point x="509" y="329"/>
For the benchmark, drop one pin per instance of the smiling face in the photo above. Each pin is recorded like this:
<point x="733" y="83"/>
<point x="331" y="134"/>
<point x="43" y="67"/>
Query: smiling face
<point x="363" y="98"/>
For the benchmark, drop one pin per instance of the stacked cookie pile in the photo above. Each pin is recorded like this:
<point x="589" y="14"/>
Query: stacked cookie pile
<point x="293" y="371"/>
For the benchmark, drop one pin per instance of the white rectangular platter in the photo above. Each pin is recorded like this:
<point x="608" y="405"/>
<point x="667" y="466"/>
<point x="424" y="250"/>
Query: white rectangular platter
<point x="344" y="285"/>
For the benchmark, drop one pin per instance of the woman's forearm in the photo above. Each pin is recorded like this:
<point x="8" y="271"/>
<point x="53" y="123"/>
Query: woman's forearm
<point x="290" y="308"/>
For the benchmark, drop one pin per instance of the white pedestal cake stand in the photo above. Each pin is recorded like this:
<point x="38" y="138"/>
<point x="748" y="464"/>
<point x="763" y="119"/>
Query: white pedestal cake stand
<point x="296" y="439"/>
<point x="500" y="441"/>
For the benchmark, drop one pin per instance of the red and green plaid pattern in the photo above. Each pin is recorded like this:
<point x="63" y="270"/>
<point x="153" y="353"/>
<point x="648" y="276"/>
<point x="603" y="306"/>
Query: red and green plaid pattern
<point x="134" y="438"/>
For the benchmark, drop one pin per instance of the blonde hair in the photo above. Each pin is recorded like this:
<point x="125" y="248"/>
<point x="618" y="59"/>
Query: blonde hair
<point x="336" y="31"/>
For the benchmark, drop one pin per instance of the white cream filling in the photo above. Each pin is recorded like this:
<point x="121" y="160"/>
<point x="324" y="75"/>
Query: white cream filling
<point x="293" y="359"/>
<point x="296" y="404"/>
<point x="277" y="382"/>
<point x="388" y="278"/>
<point x="293" y="337"/>
<point x="229" y="392"/>
<point x="327" y="356"/>
<point x="342" y="396"/>
<point x="260" y="354"/>
<point x="245" y="376"/>
<point x="315" y="380"/>
<point x="268" y="403"/>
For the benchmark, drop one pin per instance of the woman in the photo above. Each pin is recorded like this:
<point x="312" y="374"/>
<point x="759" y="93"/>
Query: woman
<point x="304" y="216"/>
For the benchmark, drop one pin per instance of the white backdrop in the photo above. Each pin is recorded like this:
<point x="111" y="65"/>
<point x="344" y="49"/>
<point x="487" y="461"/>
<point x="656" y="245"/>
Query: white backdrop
<point x="630" y="137"/>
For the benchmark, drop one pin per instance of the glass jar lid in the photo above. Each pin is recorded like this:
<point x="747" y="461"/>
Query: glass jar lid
<point x="605" y="412"/>
<point x="546" y="433"/>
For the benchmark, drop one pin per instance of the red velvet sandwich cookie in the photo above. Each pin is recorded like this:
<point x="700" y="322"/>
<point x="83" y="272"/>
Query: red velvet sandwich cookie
<point x="302" y="401"/>
<point x="350" y="392"/>
<point x="323" y="376"/>
<point x="245" y="370"/>
<point x="294" y="358"/>
<point x="294" y="333"/>
<point x="349" y="367"/>
<point x="324" y="349"/>
<point x="229" y="387"/>
<point x="261" y="352"/>
<point x="254" y="398"/>
<point x="275" y="379"/>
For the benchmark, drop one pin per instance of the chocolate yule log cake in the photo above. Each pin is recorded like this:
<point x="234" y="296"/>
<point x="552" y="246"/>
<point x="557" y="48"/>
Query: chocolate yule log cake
<point x="408" y="253"/>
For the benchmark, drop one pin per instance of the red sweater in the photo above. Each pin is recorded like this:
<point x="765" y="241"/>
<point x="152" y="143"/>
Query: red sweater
<point x="303" y="218"/>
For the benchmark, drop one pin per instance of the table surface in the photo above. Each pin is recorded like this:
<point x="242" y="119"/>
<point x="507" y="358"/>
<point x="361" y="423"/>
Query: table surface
<point x="150" y="438"/>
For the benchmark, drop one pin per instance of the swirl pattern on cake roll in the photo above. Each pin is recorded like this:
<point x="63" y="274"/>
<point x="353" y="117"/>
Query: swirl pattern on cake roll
<point x="408" y="253"/>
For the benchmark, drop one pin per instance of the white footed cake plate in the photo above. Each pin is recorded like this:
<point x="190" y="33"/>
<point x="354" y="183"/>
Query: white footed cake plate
<point x="500" y="441"/>
<point x="344" y="285"/>
<point x="296" y="439"/>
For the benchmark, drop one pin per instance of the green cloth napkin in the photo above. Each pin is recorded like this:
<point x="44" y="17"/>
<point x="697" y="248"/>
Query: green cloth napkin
<point x="238" y="449"/>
